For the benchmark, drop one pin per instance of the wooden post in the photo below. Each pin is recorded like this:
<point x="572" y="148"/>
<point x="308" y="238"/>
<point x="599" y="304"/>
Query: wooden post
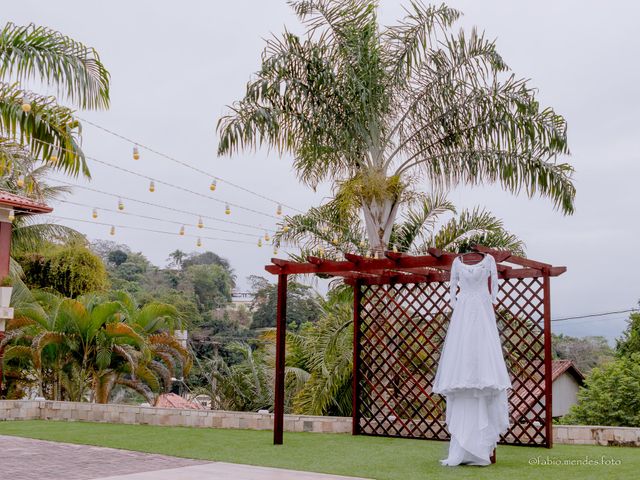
<point x="548" y="384"/>
<point x="355" y="390"/>
<point x="281" y="330"/>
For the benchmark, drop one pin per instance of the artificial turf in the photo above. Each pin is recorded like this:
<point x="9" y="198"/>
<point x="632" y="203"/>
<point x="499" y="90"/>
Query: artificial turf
<point x="361" y="456"/>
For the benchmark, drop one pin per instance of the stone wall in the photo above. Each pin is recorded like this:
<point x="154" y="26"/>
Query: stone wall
<point x="91" y="412"/>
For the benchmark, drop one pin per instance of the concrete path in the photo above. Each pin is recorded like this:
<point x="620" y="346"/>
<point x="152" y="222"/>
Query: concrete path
<point x="27" y="459"/>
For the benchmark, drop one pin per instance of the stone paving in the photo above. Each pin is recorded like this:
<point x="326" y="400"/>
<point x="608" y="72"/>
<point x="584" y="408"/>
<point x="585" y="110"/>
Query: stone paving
<point x="27" y="459"/>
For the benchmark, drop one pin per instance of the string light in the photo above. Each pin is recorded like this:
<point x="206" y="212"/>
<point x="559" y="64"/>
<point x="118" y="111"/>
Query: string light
<point x="53" y="159"/>
<point x="227" y="209"/>
<point x="182" y="230"/>
<point x="152" y="186"/>
<point x="136" y="153"/>
<point x="12" y="215"/>
<point x="94" y="214"/>
<point x="21" y="181"/>
<point x="199" y="242"/>
<point x="26" y="106"/>
<point x="260" y="242"/>
<point x="120" y="204"/>
<point x="279" y="209"/>
<point x="275" y="250"/>
<point x="213" y="185"/>
<point x="151" y="204"/>
<point x="200" y="223"/>
<point x="266" y="236"/>
<point x="112" y="231"/>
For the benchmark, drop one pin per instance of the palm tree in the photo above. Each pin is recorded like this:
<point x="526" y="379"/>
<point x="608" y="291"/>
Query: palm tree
<point x="375" y="110"/>
<point x="326" y="231"/>
<point x="41" y="126"/>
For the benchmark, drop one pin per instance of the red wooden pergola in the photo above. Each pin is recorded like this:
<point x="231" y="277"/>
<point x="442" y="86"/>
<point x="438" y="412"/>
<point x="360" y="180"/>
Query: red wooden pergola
<point x="401" y="314"/>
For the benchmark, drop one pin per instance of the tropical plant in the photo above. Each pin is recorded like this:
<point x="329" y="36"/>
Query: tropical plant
<point x="325" y="232"/>
<point x="88" y="345"/>
<point x="41" y="126"/>
<point x="374" y="110"/>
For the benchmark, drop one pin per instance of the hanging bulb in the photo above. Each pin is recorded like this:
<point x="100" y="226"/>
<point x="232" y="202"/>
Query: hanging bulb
<point x="279" y="210"/>
<point x="182" y="230"/>
<point x="26" y="106"/>
<point x="335" y="241"/>
<point x="152" y="186"/>
<point x="227" y="209"/>
<point x="395" y="249"/>
<point x="260" y="242"/>
<point x="275" y="250"/>
<point x="362" y="244"/>
<point x="94" y="213"/>
<point x="21" y="181"/>
<point x="200" y="223"/>
<point x="285" y="228"/>
<point x="120" y="204"/>
<point x="53" y="159"/>
<point x="136" y="153"/>
<point x="199" y="242"/>
<point x="112" y="231"/>
<point x="12" y="215"/>
<point x="213" y="185"/>
<point x="320" y="251"/>
<point x="266" y="236"/>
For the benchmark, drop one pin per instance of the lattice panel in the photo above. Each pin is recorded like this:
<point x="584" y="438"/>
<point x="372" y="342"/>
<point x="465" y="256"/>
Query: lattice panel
<point x="401" y="332"/>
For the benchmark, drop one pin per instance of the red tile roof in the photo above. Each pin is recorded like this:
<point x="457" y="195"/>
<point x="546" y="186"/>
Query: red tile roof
<point x="22" y="204"/>
<point x="171" y="400"/>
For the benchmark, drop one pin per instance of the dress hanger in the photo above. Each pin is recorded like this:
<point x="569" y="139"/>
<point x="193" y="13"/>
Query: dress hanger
<point x="465" y="253"/>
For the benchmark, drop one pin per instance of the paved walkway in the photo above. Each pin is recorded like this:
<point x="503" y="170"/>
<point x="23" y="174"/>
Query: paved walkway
<point x="27" y="459"/>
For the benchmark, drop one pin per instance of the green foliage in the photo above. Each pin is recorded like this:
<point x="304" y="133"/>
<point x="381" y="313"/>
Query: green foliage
<point x="39" y="53"/>
<point x="584" y="352"/>
<point x="629" y="343"/>
<point x="212" y="285"/>
<point x="302" y="304"/>
<point x="70" y="269"/>
<point x="611" y="395"/>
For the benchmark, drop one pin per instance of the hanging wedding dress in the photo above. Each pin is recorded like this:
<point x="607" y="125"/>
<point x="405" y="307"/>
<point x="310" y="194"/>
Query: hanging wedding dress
<point x="472" y="374"/>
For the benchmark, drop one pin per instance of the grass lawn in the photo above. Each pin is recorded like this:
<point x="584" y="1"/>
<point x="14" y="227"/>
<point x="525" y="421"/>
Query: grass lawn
<point x="371" y="457"/>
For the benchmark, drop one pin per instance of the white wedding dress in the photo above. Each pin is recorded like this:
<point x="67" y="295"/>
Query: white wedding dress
<point x="472" y="374"/>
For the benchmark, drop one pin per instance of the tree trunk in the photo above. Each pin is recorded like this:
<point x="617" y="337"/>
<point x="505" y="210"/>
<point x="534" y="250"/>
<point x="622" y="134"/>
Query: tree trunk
<point x="379" y="218"/>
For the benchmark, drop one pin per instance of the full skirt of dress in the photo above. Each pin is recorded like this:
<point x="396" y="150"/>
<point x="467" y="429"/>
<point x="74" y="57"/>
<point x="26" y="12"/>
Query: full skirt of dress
<point x="473" y="377"/>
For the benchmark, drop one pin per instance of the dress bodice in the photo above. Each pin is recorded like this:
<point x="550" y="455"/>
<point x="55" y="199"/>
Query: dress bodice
<point x="472" y="279"/>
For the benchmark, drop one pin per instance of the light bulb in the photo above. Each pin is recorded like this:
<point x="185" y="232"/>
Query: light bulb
<point x="285" y="228"/>
<point x="152" y="186"/>
<point x="112" y="231"/>
<point x="266" y="236"/>
<point x="94" y="214"/>
<point x="26" y="106"/>
<point x="279" y="210"/>
<point x="213" y="185"/>
<point x="362" y="244"/>
<point x="275" y="250"/>
<point x="21" y="181"/>
<point x="120" y="204"/>
<point x="53" y="159"/>
<point x="395" y="249"/>
<point x="182" y="230"/>
<point x="320" y="251"/>
<point x="260" y="242"/>
<point x="199" y="242"/>
<point x="12" y="215"/>
<point x="200" y="223"/>
<point x="136" y="153"/>
<point x="227" y="209"/>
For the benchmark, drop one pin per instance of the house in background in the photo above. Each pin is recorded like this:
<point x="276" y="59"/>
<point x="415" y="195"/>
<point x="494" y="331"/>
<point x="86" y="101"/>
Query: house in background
<point x="567" y="380"/>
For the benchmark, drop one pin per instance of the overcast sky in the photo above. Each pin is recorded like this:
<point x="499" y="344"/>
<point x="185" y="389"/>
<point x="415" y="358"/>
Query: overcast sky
<point x="175" y="65"/>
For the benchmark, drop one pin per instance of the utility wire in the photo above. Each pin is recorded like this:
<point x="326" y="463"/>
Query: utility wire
<point x="594" y="315"/>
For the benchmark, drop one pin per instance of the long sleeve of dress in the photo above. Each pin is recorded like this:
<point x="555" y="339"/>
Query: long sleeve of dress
<point x="453" y="283"/>
<point x="494" y="279"/>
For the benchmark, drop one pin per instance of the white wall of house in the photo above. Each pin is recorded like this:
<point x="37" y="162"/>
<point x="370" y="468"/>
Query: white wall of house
<point x="565" y="394"/>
